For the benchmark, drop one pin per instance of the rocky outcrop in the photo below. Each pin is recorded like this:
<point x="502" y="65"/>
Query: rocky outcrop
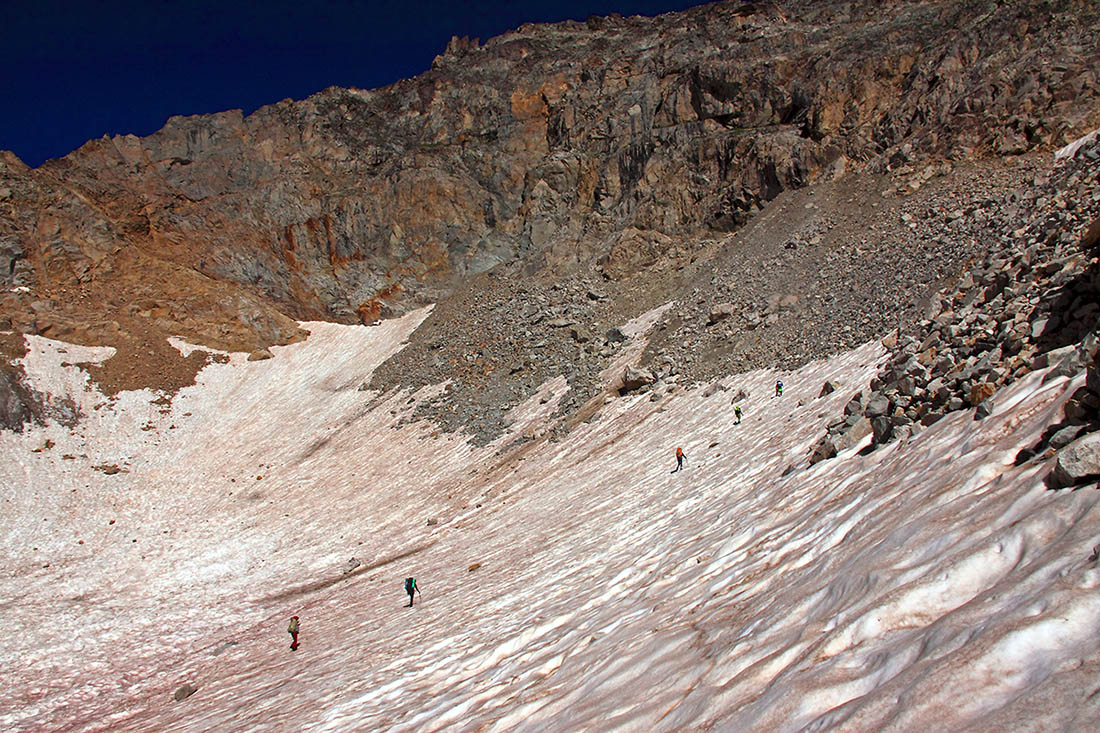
<point x="547" y="142"/>
<point x="17" y="404"/>
<point x="618" y="149"/>
<point x="1030" y="303"/>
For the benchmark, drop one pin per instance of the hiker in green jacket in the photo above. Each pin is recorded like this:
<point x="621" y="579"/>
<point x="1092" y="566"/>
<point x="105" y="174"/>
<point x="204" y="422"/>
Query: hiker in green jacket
<point x="410" y="588"/>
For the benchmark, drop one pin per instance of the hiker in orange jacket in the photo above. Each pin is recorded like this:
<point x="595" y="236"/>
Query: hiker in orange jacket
<point x="679" y="460"/>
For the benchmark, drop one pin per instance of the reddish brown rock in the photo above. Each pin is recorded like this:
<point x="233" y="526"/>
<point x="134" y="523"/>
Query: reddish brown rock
<point x="556" y="145"/>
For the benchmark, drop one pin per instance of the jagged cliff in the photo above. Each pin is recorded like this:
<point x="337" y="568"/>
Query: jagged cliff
<point x="599" y="147"/>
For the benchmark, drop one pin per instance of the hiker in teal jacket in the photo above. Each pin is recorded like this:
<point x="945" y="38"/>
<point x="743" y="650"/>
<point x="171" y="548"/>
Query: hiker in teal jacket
<point x="410" y="588"/>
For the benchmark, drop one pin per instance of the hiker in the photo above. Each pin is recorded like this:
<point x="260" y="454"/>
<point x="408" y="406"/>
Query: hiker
<point x="679" y="460"/>
<point x="410" y="588"/>
<point x="293" y="631"/>
<point x="737" y="414"/>
<point x="779" y="388"/>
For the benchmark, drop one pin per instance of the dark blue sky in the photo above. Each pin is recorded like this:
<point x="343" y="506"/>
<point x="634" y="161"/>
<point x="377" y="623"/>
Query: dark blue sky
<point x="72" y="71"/>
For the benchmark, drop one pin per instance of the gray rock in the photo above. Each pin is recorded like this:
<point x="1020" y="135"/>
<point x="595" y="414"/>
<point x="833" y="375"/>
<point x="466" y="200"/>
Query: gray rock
<point x="903" y="432"/>
<point x="878" y="405"/>
<point x="1076" y="463"/>
<point x="1088" y="398"/>
<point x="1092" y="378"/>
<point x="17" y="402"/>
<point x="882" y="428"/>
<point x="943" y="364"/>
<point x="823" y="450"/>
<point x="1065" y="436"/>
<point x="857" y="432"/>
<point x="615" y="335"/>
<point x="184" y="691"/>
<point x="1066" y="358"/>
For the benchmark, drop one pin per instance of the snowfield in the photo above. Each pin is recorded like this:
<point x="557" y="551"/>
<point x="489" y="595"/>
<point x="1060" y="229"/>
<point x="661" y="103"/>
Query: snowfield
<point x="570" y="585"/>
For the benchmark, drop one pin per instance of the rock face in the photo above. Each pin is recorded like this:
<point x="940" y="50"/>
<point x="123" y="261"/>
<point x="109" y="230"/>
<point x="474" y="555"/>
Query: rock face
<point x="547" y="142"/>
<point x="623" y="149"/>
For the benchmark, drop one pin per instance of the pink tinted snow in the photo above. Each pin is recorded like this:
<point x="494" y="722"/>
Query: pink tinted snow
<point x="928" y="584"/>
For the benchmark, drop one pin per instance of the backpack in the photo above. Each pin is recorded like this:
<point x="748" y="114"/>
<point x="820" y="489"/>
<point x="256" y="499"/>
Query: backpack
<point x="410" y="585"/>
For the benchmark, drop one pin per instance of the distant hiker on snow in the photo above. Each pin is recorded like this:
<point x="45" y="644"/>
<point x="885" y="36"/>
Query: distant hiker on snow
<point x="737" y="414"/>
<point x="779" y="388"/>
<point x="410" y="588"/>
<point x="679" y="460"/>
<point x="293" y="631"/>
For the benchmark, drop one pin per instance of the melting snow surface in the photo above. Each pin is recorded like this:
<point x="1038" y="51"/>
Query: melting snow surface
<point x="567" y="585"/>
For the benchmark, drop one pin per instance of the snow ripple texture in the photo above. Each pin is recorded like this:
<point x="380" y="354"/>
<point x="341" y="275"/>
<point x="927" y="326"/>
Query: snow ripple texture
<point x="567" y="585"/>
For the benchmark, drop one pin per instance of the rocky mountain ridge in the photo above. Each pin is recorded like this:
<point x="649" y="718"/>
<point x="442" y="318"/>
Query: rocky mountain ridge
<point x="602" y="164"/>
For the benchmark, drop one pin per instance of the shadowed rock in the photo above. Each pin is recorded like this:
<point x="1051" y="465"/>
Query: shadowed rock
<point x="1078" y="462"/>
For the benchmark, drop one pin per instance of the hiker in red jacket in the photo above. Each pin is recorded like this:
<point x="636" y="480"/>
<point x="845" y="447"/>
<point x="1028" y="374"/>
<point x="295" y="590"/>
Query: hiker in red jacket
<point x="679" y="460"/>
<point x="293" y="631"/>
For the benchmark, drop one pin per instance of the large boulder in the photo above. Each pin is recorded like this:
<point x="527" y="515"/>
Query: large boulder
<point x="878" y="405"/>
<point x="853" y="435"/>
<point x="883" y="429"/>
<point x="824" y="450"/>
<point x="1077" y="463"/>
<point x="635" y="378"/>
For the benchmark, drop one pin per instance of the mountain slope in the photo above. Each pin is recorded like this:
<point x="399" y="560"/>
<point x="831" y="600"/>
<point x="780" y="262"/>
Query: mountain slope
<point x="569" y="583"/>
<point x="572" y="250"/>
<point x="553" y="146"/>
